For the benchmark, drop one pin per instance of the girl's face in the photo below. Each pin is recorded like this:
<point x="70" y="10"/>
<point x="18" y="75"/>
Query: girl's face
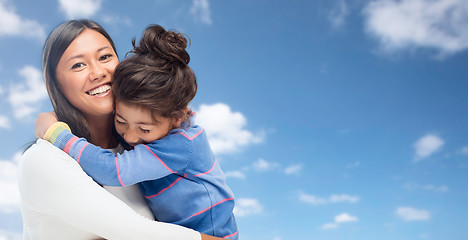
<point x="85" y="71"/>
<point x="138" y="126"/>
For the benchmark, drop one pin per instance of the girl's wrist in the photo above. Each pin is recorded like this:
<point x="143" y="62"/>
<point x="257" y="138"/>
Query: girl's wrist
<point x="54" y="130"/>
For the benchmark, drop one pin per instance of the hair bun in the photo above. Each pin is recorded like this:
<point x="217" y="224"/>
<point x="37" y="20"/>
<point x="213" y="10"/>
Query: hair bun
<point x="168" y="45"/>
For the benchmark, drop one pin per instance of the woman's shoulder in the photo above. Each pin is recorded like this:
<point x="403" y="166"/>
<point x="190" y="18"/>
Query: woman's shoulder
<point x="45" y="172"/>
<point x="39" y="144"/>
<point x="43" y="158"/>
<point x="41" y="150"/>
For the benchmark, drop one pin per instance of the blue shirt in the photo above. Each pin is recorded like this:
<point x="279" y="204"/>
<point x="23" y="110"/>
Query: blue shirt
<point x="178" y="175"/>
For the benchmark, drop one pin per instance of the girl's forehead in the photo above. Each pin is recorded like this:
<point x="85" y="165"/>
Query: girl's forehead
<point x="134" y="111"/>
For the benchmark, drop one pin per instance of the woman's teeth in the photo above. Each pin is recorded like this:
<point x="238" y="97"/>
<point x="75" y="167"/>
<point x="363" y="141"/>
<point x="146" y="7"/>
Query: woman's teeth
<point x="99" y="90"/>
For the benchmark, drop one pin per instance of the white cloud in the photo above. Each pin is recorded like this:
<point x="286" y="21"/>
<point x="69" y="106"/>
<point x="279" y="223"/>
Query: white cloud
<point x="412" y="214"/>
<point x="9" y="199"/>
<point x="201" y="10"/>
<point x="345" y="217"/>
<point x="344" y="131"/>
<point x="429" y="187"/>
<point x="344" y="198"/>
<point x="4" y="122"/>
<point x="335" y="198"/>
<point x="464" y="150"/>
<point x="247" y="206"/>
<point x="353" y="165"/>
<point x="435" y="188"/>
<point x="225" y="129"/>
<point x="426" y="146"/>
<point x="235" y="174"/>
<point x="329" y="226"/>
<point x="341" y="218"/>
<point x="262" y="165"/>
<point x="11" y="24"/>
<point x="117" y="20"/>
<point x="7" y="235"/>
<point x="311" y="199"/>
<point x="80" y="8"/>
<point x="25" y="96"/>
<point x="293" y="169"/>
<point x="402" y="24"/>
<point x="338" y="14"/>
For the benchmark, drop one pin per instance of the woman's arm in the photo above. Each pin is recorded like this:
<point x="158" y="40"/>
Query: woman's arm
<point x="52" y="183"/>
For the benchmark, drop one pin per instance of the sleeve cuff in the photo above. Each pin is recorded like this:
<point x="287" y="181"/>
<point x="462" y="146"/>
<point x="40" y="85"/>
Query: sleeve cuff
<point x="54" y="130"/>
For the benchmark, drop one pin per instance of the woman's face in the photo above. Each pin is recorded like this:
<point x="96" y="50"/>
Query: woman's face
<point x="84" y="73"/>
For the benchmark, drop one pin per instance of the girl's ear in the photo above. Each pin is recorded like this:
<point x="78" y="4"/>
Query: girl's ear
<point x="178" y="121"/>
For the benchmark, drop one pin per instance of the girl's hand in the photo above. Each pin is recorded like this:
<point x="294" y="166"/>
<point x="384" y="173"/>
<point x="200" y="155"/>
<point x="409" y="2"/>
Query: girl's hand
<point x="43" y="122"/>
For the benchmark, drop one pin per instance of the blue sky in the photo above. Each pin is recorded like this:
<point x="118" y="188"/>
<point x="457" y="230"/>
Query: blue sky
<point x="341" y="119"/>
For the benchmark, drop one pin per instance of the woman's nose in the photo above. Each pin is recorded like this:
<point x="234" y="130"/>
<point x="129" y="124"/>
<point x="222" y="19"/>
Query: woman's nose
<point x="97" y="72"/>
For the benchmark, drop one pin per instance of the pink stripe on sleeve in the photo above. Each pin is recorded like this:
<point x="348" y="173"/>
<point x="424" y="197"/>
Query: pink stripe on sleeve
<point x="172" y="184"/>
<point x="170" y="170"/>
<point x="194" y="136"/>
<point x="81" y="151"/>
<point x="69" y="144"/>
<point x="230" y="235"/>
<point x="202" y="211"/>
<point x="118" y="172"/>
<point x="198" y="175"/>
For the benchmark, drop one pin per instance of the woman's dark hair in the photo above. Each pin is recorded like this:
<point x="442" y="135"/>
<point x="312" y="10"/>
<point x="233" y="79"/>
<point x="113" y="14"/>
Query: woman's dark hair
<point x="157" y="76"/>
<point x="56" y="44"/>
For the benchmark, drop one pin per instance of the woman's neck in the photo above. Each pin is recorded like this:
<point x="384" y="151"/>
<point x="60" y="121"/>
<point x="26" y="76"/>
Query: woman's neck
<point x="101" y="131"/>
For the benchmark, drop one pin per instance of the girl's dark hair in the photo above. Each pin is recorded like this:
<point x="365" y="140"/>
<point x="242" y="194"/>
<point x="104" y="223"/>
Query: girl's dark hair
<point x="157" y="76"/>
<point x="56" y="44"/>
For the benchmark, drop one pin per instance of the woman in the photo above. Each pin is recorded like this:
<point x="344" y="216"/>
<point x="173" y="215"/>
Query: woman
<point x="58" y="200"/>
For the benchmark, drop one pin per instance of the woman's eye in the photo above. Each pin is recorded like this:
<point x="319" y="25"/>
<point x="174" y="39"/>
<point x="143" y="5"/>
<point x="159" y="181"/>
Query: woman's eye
<point x="77" y="65"/>
<point x="119" y="122"/>
<point x="145" y="130"/>
<point x="105" y="57"/>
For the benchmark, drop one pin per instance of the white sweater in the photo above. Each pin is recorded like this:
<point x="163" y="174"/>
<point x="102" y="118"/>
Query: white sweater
<point x="59" y="201"/>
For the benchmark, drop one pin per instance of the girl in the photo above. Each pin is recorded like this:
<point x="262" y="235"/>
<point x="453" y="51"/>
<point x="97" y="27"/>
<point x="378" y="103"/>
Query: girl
<point x="171" y="158"/>
<point x="58" y="200"/>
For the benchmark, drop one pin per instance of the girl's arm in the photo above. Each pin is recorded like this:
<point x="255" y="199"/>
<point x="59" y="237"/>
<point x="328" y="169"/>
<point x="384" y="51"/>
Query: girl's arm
<point x="53" y="184"/>
<point x="145" y="162"/>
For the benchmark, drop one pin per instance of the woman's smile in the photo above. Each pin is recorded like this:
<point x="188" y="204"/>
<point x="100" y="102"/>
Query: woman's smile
<point x="100" y="91"/>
